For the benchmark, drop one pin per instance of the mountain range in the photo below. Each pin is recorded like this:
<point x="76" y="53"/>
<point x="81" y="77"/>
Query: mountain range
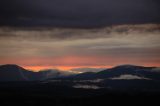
<point x="11" y="72"/>
<point x="122" y="72"/>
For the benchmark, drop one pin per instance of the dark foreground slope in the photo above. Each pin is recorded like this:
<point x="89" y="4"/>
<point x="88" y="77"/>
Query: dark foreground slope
<point x="59" y="94"/>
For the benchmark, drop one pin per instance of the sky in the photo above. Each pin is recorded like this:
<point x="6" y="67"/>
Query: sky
<point x="40" y="34"/>
<point x="78" y="13"/>
<point x="70" y="48"/>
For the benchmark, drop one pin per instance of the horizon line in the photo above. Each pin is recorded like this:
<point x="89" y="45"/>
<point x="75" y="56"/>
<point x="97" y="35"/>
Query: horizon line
<point x="69" y="68"/>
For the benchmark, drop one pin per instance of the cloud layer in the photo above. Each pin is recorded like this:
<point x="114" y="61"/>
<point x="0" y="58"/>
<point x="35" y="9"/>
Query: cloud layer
<point x="123" y="44"/>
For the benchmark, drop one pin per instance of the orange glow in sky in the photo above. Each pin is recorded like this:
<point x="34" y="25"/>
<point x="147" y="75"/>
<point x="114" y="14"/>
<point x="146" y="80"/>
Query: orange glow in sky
<point x="68" y="68"/>
<point x="65" y="68"/>
<point x="69" y="62"/>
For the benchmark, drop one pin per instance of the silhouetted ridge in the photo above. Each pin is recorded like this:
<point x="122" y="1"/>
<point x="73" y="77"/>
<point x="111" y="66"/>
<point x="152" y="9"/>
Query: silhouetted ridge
<point x="10" y="66"/>
<point x="128" y="66"/>
<point x="12" y="72"/>
<point x="126" y="70"/>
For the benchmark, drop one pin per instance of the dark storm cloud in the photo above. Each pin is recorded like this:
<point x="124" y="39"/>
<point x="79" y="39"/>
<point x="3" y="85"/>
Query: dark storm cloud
<point x="49" y="34"/>
<point x="79" y="13"/>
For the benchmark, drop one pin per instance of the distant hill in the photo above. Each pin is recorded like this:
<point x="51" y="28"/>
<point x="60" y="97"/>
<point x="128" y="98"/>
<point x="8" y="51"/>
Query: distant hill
<point x="126" y="71"/>
<point x="11" y="72"/>
<point x="123" y="77"/>
<point x="87" y="69"/>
